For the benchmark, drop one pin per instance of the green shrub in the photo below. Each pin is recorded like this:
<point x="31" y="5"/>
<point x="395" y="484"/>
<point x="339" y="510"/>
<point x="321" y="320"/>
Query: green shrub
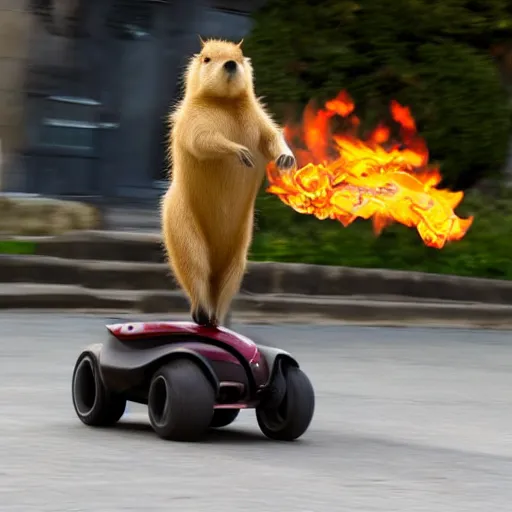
<point x="431" y="56"/>
<point x="284" y="235"/>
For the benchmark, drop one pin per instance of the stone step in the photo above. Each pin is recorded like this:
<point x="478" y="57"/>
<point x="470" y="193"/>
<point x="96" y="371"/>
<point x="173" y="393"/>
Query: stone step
<point x="261" y="278"/>
<point x="90" y="245"/>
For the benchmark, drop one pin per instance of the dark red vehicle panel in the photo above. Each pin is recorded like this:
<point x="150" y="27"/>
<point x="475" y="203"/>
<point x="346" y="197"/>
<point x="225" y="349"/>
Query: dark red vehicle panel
<point x="139" y="330"/>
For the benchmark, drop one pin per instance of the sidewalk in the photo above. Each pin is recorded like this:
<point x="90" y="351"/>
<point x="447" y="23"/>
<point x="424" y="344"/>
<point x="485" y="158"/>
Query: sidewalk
<point x="263" y="307"/>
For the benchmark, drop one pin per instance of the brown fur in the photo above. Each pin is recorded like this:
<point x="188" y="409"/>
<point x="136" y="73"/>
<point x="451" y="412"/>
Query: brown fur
<point x="207" y="213"/>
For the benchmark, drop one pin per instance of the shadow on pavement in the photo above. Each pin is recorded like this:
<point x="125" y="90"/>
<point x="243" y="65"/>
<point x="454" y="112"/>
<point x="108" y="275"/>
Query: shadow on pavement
<point x="226" y="435"/>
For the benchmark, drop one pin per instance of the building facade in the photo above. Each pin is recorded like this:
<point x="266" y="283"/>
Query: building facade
<point x="86" y="86"/>
<point x="15" y="28"/>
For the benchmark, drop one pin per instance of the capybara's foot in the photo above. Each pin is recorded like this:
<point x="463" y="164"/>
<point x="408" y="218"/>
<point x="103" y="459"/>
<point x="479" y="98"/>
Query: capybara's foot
<point x="213" y="322"/>
<point x="200" y="317"/>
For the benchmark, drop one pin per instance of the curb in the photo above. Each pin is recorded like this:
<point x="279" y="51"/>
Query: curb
<point x="299" y="309"/>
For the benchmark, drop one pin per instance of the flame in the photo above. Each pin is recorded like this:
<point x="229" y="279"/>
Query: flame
<point x="342" y="177"/>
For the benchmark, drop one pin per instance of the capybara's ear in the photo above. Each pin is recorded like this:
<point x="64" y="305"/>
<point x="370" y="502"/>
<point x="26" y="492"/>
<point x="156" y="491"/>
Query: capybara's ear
<point x="203" y="42"/>
<point x="240" y="43"/>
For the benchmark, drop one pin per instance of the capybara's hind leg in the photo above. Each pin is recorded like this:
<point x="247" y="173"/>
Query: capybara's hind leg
<point x="192" y="273"/>
<point x="226" y="286"/>
<point x="188" y="259"/>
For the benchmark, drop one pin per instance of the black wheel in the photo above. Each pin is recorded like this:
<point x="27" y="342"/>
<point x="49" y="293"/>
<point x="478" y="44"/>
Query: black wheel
<point x="291" y="418"/>
<point x="93" y="403"/>
<point x="180" y="401"/>
<point x="224" y="417"/>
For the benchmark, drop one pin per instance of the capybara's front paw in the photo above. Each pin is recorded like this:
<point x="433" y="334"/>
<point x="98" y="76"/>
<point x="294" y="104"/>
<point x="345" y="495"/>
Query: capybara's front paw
<point x="246" y="157"/>
<point x="285" y="162"/>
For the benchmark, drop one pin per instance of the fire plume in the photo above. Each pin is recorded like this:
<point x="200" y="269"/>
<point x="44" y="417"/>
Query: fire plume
<point x="341" y="176"/>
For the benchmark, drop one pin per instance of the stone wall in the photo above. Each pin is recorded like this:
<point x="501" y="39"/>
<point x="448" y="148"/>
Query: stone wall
<point x="15" y="29"/>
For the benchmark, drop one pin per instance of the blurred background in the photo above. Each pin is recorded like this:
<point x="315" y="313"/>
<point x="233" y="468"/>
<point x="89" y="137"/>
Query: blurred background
<point x="86" y="85"/>
<point x="412" y="414"/>
<point x="93" y="81"/>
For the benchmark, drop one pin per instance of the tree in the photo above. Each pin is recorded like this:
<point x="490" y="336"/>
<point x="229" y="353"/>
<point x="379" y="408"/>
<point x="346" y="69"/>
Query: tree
<point x="433" y="56"/>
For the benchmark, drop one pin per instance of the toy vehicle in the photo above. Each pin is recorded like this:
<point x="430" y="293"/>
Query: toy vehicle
<point x="192" y="378"/>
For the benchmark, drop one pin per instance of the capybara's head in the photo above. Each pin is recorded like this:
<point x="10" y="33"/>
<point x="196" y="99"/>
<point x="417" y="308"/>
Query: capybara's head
<point x="219" y="70"/>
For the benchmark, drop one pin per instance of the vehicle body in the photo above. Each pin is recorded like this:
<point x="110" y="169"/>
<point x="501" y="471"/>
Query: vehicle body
<point x="192" y="378"/>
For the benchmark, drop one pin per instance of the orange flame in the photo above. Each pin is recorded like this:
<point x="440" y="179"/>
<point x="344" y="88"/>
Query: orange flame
<point x="342" y="177"/>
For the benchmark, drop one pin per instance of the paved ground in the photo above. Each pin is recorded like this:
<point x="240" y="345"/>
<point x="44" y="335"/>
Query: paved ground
<point x="407" y="420"/>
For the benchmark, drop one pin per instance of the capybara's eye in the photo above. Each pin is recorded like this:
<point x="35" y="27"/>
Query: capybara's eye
<point x="206" y="60"/>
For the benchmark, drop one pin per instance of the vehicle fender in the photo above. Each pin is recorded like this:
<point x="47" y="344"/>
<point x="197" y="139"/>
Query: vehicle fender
<point x="93" y="350"/>
<point x="185" y="353"/>
<point x="123" y="368"/>
<point x="274" y="357"/>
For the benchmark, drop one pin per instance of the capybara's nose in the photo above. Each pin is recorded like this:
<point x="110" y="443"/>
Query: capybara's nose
<point x="230" y="66"/>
